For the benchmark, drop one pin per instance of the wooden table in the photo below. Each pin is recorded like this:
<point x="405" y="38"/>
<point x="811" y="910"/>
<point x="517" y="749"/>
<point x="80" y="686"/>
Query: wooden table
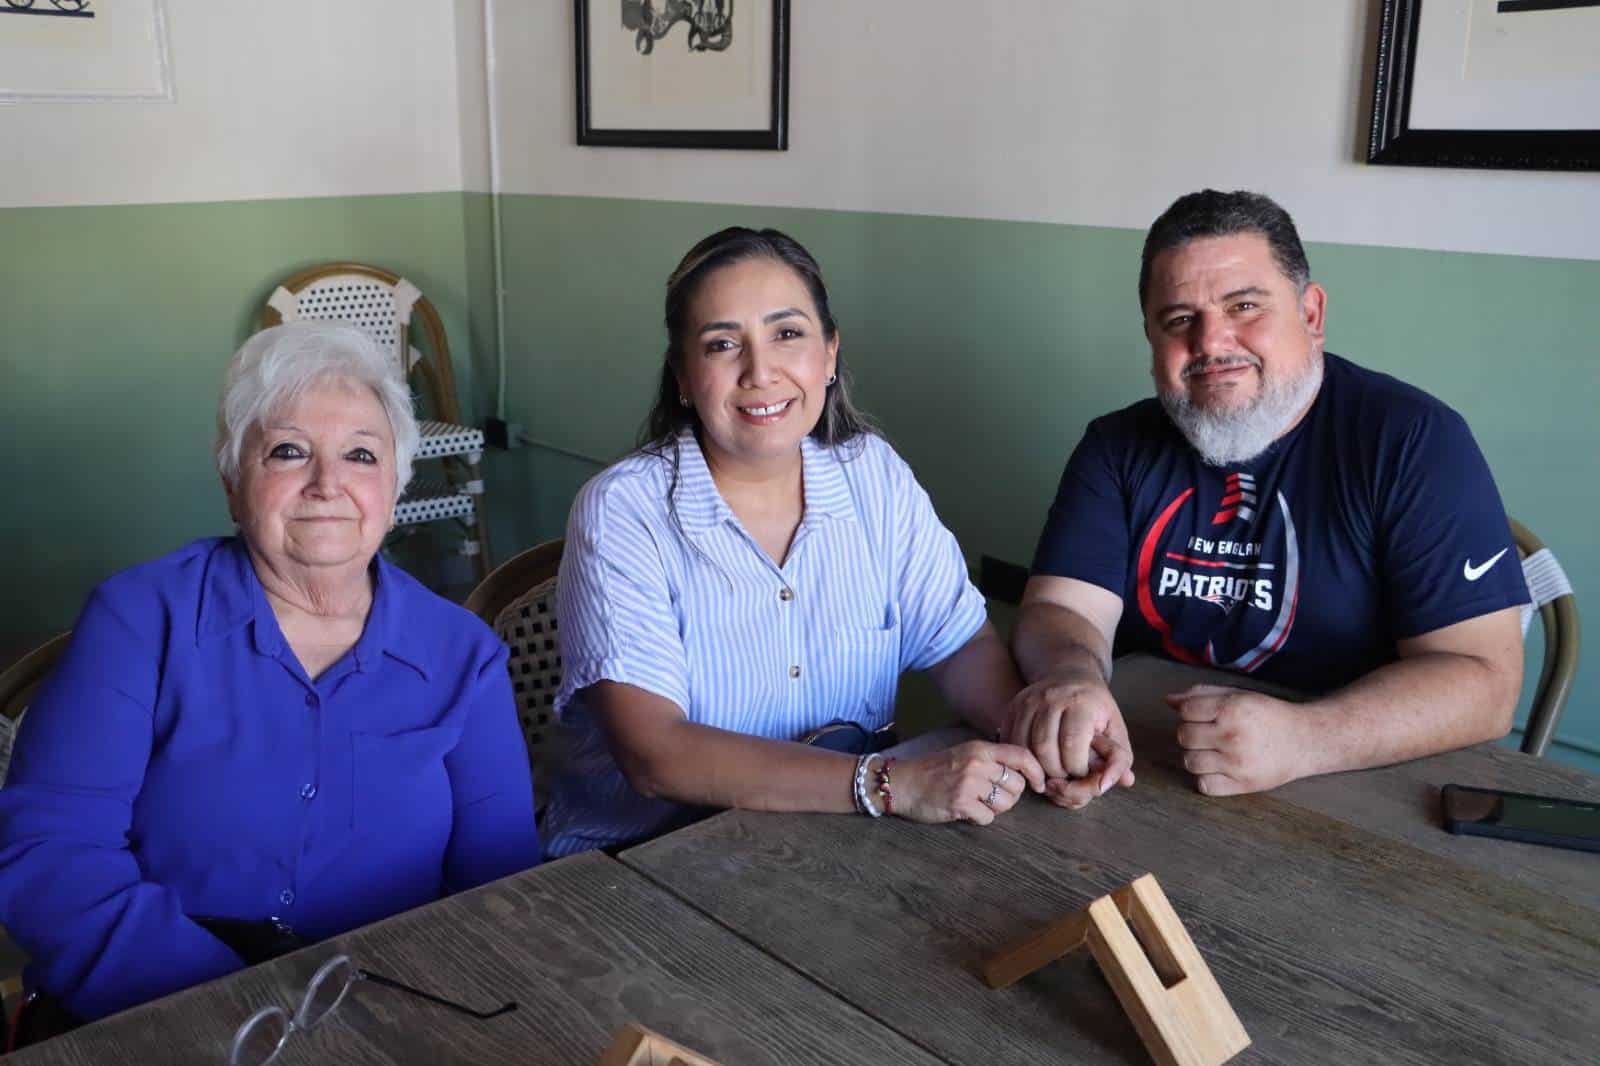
<point x="1400" y="802"/>
<point x="584" y="945"/>
<point x="1341" y="922"/>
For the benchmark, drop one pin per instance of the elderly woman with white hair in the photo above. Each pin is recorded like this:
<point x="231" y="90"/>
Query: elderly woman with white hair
<point x="266" y="739"/>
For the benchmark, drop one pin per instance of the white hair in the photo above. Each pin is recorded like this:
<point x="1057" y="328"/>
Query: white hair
<point x="277" y="366"/>
<point x="1224" y="438"/>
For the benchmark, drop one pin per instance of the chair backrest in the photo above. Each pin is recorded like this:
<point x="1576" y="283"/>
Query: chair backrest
<point x="514" y="577"/>
<point x="17" y="687"/>
<point x="388" y="308"/>
<point x="1557" y="608"/>
<point x="518" y="600"/>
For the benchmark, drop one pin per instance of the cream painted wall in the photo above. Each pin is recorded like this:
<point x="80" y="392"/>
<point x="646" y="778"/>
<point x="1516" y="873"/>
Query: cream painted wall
<point x="1073" y="111"/>
<point x="472" y="91"/>
<point x="292" y="98"/>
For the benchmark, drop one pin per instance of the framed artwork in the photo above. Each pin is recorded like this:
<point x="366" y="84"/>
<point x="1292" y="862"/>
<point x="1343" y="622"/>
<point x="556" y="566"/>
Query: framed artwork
<point x="683" y="73"/>
<point x="1488" y="83"/>
<point x="74" y="50"/>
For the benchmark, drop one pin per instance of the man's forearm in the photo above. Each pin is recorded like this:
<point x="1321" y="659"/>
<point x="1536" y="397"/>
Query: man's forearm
<point x="1410" y="708"/>
<point x="979" y="681"/>
<point x="1051" y="641"/>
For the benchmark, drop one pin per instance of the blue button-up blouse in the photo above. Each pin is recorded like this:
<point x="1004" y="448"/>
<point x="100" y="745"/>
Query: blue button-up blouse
<point x="662" y="588"/>
<point x="179" y="763"/>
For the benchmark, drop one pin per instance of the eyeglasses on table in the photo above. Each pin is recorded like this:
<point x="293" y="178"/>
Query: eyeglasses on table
<point x="263" y="1035"/>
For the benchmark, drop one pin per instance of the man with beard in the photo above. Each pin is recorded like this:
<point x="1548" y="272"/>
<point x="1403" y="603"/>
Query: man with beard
<point x="1278" y="512"/>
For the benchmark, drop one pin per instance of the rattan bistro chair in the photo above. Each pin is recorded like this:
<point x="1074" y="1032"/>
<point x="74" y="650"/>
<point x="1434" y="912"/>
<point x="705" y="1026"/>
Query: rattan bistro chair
<point x="395" y="313"/>
<point x="518" y="600"/>
<point x="1557" y="608"/>
<point x="19" y="683"/>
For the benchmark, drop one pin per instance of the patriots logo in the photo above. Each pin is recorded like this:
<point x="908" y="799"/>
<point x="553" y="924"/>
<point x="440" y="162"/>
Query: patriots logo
<point x="1222" y="574"/>
<point x="1222" y="602"/>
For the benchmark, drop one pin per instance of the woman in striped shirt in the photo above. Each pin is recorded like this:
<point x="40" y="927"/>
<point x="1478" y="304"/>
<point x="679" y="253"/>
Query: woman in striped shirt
<point x="763" y="565"/>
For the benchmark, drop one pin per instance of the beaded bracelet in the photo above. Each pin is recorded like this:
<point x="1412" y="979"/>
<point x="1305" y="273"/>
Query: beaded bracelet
<point x="862" y="799"/>
<point x="883" y="786"/>
<point x="856" y="784"/>
<point x="866" y="794"/>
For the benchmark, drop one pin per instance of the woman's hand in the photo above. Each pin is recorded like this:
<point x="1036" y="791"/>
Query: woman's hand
<point x="970" y="782"/>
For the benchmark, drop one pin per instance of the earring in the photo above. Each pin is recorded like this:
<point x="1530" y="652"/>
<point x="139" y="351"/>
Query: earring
<point x="683" y="399"/>
<point x="831" y="379"/>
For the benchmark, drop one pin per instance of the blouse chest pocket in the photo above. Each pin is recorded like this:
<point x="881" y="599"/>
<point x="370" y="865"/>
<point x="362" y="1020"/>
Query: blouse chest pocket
<point x="866" y="660"/>
<point x="401" y="778"/>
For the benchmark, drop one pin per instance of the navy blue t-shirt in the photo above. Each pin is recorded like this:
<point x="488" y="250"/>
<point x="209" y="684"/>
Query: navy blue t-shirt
<point x="1373" y="520"/>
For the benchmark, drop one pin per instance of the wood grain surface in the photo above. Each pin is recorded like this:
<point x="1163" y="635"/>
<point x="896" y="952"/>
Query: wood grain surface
<point x="1401" y="802"/>
<point x="583" y="945"/>
<point x="1334" y="943"/>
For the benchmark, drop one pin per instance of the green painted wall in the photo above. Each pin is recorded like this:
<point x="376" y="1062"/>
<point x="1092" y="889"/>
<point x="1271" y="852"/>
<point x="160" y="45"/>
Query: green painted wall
<point x="118" y="322"/>
<point x="984" y="347"/>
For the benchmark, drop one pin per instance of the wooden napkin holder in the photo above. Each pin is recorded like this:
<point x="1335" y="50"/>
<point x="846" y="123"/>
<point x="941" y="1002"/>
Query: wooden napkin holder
<point x="638" y="1046"/>
<point x="1169" y="993"/>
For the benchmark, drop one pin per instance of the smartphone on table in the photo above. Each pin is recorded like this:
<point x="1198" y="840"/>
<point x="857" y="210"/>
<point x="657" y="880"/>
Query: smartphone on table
<point x="1488" y="812"/>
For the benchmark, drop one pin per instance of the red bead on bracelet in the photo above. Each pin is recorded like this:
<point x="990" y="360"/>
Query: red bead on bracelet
<point x="883" y="786"/>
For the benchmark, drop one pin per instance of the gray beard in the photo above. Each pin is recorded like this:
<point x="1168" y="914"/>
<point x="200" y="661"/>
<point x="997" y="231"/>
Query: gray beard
<point x="1226" y="438"/>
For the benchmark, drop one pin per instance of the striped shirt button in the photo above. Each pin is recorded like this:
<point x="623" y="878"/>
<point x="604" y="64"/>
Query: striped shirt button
<point x="794" y="671"/>
<point x="785" y="594"/>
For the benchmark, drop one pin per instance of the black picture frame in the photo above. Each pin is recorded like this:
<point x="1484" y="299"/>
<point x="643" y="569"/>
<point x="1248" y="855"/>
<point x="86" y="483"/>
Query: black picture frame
<point x="1393" y="142"/>
<point x="775" y="137"/>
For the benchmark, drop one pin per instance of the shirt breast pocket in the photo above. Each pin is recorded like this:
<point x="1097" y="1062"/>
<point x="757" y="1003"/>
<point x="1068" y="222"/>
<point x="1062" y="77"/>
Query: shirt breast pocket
<point x="868" y="666"/>
<point x="401" y="784"/>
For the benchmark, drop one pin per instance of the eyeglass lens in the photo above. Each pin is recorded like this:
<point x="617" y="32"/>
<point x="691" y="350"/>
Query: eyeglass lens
<point x="260" y="1039"/>
<point x="326" y="991"/>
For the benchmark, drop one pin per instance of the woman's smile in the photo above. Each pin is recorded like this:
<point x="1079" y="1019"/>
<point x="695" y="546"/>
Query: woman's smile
<point x="766" y="414"/>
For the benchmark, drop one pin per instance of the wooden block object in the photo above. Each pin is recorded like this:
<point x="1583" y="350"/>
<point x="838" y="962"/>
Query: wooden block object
<point x="1169" y="993"/>
<point x="638" y="1046"/>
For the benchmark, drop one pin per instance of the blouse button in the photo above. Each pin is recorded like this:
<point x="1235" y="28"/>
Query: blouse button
<point x="785" y="594"/>
<point x="308" y="792"/>
<point x="794" y="671"/>
<point x="286" y="897"/>
<point x="311" y="699"/>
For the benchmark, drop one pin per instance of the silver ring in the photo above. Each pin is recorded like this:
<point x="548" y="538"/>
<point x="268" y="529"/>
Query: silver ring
<point x="994" y="792"/>
<point x="1005" y="772"/>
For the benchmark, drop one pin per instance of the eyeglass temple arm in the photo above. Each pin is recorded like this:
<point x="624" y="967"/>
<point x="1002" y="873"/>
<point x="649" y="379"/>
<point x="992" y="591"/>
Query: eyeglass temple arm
<point x="389" y="982"/>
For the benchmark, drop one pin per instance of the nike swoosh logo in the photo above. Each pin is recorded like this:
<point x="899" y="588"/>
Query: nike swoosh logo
<point x="1473" y="573"/>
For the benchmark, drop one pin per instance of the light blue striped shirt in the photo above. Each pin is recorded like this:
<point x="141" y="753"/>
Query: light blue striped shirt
<point x="686" y="605"/>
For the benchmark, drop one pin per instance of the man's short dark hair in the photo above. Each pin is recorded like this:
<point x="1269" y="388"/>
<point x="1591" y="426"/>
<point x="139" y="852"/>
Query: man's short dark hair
<point x="1209" y="213"/>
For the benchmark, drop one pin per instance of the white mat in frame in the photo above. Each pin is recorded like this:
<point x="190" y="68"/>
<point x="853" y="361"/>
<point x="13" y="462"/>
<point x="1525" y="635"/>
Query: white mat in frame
<point x="62" y="51"/>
